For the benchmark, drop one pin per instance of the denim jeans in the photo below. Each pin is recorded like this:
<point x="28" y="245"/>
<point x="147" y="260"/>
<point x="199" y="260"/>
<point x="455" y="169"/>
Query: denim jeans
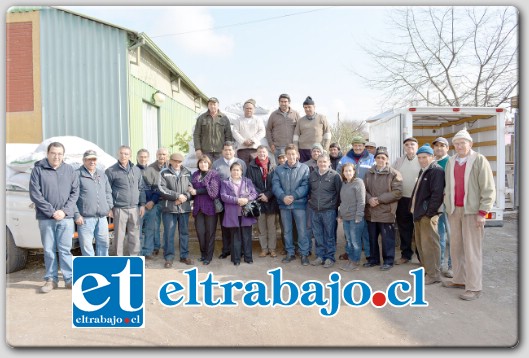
<point x="444" y="235"/>
<point x="365" y="242"/>
<point x="300" y="218"/>
<point x="149" y="231"/>
<point x="323" y="227"/>
<point x="56" y="237"/>
<point x="309" y="232"/>
<point x="170" y="220"/>
<point x="93" y="228"/>
<point x="353" y="238"/>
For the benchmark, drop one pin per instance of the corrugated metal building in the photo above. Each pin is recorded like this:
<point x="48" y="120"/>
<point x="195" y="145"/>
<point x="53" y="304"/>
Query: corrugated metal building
<point x="69" y="74"/>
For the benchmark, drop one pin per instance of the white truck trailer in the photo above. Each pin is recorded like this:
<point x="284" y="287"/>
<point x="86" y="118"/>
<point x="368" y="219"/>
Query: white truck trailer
<point x="485" y="124"/>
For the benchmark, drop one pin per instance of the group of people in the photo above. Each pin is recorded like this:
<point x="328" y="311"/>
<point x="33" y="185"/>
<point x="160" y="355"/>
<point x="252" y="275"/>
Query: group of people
<point x="434" y="200"/>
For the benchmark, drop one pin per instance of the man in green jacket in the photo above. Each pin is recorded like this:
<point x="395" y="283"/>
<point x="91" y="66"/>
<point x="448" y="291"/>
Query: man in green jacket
<point x="212" y="129"/>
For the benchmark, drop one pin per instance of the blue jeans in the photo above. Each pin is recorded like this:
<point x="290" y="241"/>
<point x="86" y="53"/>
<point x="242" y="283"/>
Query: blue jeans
<point x="387" y="231"/>
<point x="56" y="237"/>
<point x="323" y="227"/>
<point x="353" y="238"/>
<point x="149" y="222"/>
<point x="365" y="242"/>
<point x="309" y="232"/>
<point x="93" y="228"/>
<point x="300" y="218"/>
<point x="170" y="220"/>
<point x="444" y="235"/>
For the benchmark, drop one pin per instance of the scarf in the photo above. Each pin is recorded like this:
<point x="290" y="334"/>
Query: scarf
<point x="264" y="167"/>
<point x="356" y="157"/>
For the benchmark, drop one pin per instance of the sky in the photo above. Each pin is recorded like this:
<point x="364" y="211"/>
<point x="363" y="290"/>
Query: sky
<point x="235" y="53"/>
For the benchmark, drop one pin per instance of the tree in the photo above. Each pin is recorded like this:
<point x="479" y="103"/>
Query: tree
<point x="343" y="131"/>
<point x="453" y="56"/>
<point x="182" y="142"/>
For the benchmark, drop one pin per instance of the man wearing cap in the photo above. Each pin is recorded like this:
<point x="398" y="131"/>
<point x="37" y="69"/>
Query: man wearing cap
<point x="469" y="195"/>
<point x="311" y="128"/>
<point x="128" y="197"/>
<point x="212" y="129"/>
<point x="93" y="206"/>
<point x="54" y="189"/>
<point x="409" y="168"/>
<point x="248" y="131"/>
<point x="280" y="126"/>
<point x="371" y="147"/>
<point x="440" y="149"/>
<point x="383" y="190"/>
<point x="362" y="161"/>
<point x="176" y="206"/>
<point x="427" y="198"/>
<point x="335" y="154"/>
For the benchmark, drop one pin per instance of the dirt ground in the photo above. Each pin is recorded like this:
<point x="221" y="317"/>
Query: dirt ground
<point x="39" y="320"/>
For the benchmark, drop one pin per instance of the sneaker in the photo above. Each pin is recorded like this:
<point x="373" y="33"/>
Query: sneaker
<point x="317" y="261"/>
<point x="431" y="280"/>
<point x="48" y="286"/>
<point x="448" y="273"/>
<point x="263" y="253"/>
<point x="343" y="257"/>
<point x="168" y="264"/>
<point x="68" y="285"/>
<point x="287" y="258"/>
<point x="470" y="295"/>
<point x="450" y="284"/>
<point x="304" y="260"/>
<point x="273" y="253"/>
<point x="350" y="266"/>
<point x="385" y="267"/>
<point x="328" y="263"/>
<point x="186" y="261"/>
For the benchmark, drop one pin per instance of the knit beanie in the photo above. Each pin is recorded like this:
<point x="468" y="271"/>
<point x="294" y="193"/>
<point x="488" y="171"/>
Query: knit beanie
<point x="308" y="101"/>
<point x="317" y="146"/>
<point x="425" y="149"/>
<point x="462" y="134"/>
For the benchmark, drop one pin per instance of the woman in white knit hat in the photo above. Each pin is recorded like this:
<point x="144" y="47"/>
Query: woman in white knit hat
<point x="469" y="196"/>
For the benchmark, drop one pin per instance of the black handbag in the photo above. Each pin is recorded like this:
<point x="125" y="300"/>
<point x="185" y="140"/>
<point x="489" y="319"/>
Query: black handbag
<point x="252" y="209"/>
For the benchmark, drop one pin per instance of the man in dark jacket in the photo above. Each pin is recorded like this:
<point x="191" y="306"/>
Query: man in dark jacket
<point x="93" y="206"/>
<point x="325" y="185"/>
<point x="426" y="200"/>
<point x="175" y="181"/>
<point x="212" y="129"/>
<point x="260" y="172"/>
<point x="335" y="154"/>
<point x="128" y="196"/>
<point x="54" y="189"/>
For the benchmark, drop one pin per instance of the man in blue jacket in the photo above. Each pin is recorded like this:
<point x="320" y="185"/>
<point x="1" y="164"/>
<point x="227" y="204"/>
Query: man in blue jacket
<point x="129" y="202"/>
<point x="93" y="206"/>
<point x="290" y="186"/>
<point x="54" y="189"/>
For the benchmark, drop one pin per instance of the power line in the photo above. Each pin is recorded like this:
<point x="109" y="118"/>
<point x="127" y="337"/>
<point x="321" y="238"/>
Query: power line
<point x="244" y="23"/>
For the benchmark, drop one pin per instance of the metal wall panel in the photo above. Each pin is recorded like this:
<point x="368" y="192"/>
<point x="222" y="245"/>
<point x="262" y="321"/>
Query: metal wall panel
<point x="84" y="74"/>
<point x="173" y="116"/>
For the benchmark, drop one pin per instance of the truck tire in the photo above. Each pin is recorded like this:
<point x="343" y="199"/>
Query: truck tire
<point x="16" y="258"/>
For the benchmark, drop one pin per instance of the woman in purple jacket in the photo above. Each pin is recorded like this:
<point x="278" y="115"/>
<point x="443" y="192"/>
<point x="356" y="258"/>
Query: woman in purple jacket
<point x="236" y="192"/>
<point x="206" y="187"/>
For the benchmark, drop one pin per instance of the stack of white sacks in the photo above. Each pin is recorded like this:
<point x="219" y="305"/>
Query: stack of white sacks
<point x="21" y="158"/>
<point x="233" y="112"/>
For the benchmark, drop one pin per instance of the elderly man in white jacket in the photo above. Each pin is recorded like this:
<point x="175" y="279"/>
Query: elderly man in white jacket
<point x="248" y="131"/>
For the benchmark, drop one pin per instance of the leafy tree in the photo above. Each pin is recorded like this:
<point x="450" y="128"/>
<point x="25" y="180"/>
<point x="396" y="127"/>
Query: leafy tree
<point x="453" y="56"/>
<point x="181" y="142"/>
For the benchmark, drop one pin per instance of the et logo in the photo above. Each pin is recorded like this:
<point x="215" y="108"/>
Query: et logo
<point x="108" y="292"/>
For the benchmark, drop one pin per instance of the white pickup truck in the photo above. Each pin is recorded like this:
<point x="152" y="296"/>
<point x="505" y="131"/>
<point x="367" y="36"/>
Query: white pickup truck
<point x="22" y="231"/>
